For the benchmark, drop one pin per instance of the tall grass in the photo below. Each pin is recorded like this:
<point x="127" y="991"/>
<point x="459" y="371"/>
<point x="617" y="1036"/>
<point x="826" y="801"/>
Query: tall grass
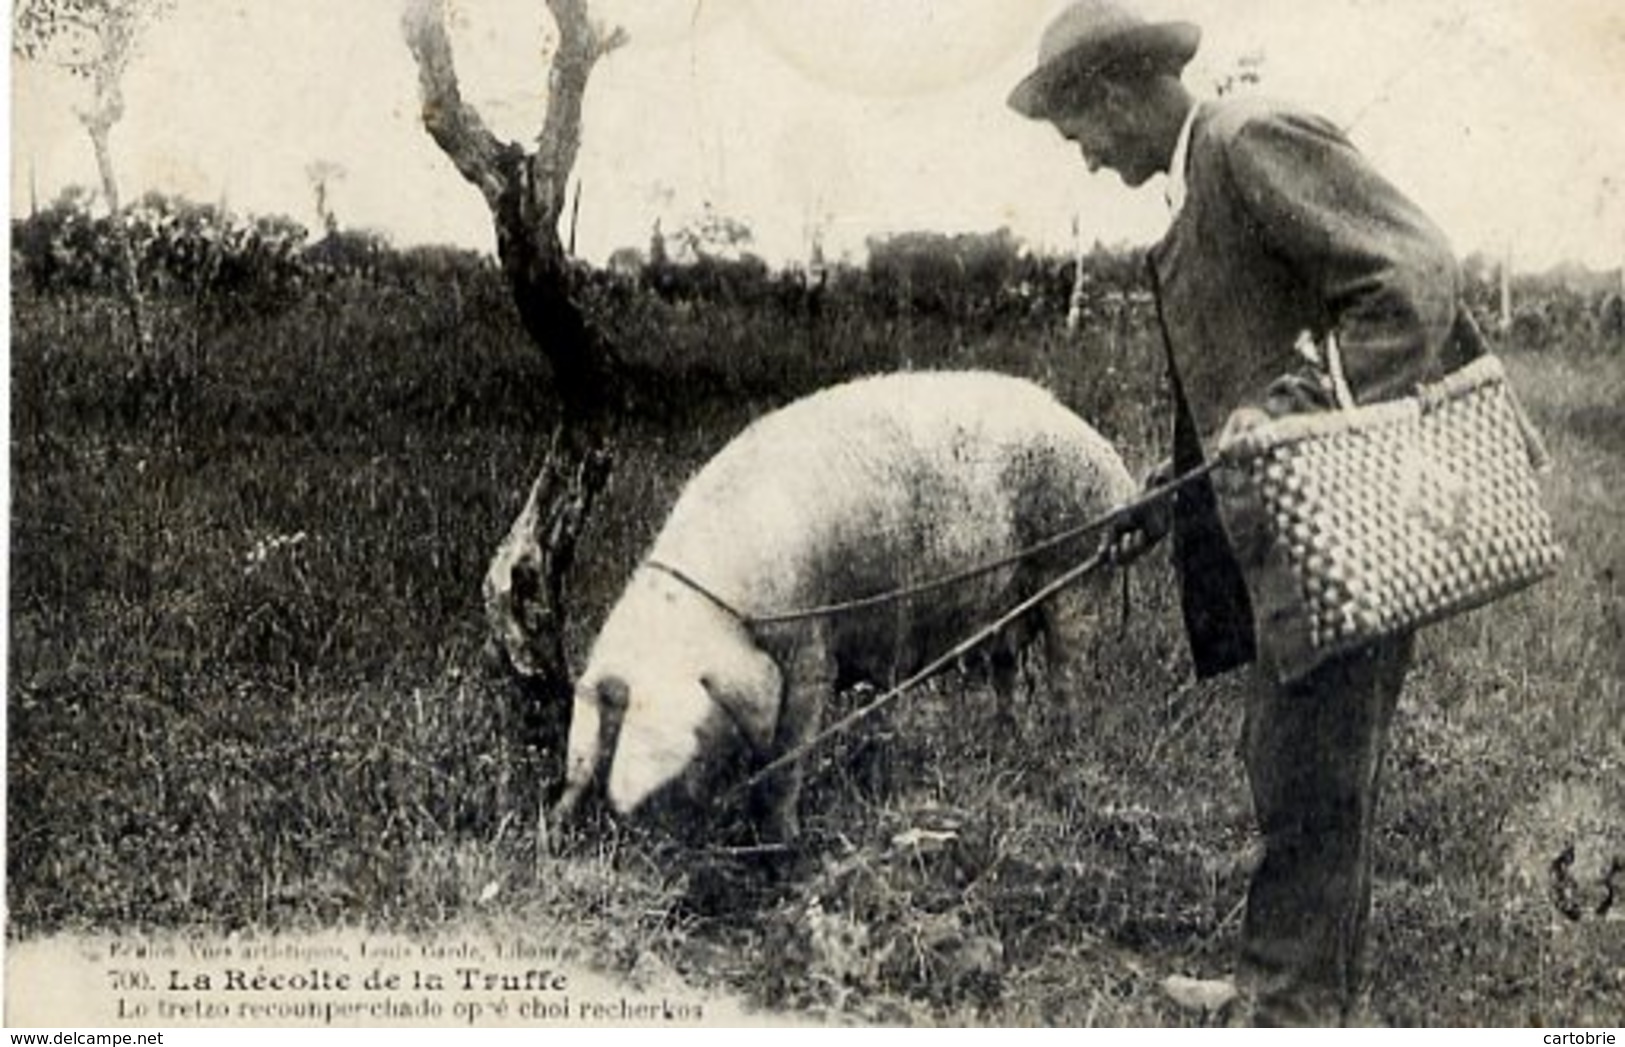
<point x="247" y="690"/>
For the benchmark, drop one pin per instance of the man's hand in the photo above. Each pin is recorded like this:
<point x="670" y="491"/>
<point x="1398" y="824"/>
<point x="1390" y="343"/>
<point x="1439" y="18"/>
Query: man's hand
<point x="1133" y="536"/>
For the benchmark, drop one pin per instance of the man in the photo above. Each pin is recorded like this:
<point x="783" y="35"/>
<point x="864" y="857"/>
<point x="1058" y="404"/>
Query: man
<point x="1279" y="229"/>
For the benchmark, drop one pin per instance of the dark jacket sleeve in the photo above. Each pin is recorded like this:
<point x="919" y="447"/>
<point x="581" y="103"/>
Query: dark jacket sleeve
<point x="1385" y="275"/>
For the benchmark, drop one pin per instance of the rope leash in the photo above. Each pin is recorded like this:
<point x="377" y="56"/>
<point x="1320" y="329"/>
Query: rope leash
<point x="891" y="596"/>
<point x="1102" y="557"/>
<point x="687" y="579"/>
<point x="964" y="646"/>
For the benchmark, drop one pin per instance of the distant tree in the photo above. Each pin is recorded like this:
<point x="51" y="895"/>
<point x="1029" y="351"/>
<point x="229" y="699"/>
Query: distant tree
<point x="95" y="41"/>
<point x="183" y="250"/>
<point x="348" y="254"/>
<point x="626" y="261"/>
<point x="917" y="270"/>
<point x="989" y="262"/>
<point x="964" y="274"/>
<point x="322" y="174"/>
<point x="713" y="236"/>
<point x="1247" y="71"/>
<point x="658" y="255"/>
<point x="1611" y="316"/>
<point x="63" y="247"/>
<point x="707" y="260"/>
<point x="662" y="273"/>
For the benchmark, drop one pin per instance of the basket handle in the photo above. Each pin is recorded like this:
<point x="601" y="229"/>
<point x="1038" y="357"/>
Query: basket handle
<point x="1334" y="368"/>
<point x="1327" y="359"/>
<point x="1540" y="459"/>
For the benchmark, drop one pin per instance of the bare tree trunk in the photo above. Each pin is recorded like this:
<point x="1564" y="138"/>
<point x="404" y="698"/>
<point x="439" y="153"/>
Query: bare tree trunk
<point x="1074" y="302"/>
<point x="526" y="195"/>
<point x="1504" y="322"/>
<point x="99" y="122"/>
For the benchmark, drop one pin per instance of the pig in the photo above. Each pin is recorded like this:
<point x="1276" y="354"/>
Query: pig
<point x="862" y="488"/>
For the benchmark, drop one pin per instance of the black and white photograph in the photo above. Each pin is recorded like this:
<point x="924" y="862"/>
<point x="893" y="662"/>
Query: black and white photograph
<point x="553" y="514"/>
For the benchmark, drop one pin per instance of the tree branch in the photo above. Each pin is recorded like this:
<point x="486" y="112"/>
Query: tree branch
<point x="455" y="125"/>
<point x="581" y="45"/>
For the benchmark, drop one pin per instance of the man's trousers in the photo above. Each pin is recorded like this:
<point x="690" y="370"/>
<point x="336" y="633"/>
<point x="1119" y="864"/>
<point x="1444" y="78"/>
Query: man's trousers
<point x="1314" y="755"/>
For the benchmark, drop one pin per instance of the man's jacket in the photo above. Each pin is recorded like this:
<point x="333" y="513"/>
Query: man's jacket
<point x="1285" y="229"/>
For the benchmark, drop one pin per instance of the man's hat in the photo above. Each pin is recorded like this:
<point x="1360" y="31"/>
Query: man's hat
<point x="1094" y="35"/>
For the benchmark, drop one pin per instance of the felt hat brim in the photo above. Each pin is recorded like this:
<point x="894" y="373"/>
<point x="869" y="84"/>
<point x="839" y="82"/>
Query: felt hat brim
<point x="1161" y="47"/>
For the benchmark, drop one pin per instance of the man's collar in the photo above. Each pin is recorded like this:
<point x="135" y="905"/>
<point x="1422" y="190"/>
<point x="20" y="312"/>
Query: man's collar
<point x="1175" y="192"/>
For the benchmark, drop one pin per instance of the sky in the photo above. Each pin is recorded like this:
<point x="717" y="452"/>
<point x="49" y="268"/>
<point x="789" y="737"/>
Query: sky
<point x="846" y="119"/>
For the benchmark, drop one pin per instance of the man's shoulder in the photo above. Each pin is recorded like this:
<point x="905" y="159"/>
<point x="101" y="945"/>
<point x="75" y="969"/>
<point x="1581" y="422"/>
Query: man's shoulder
<point x="1226" y="120"/>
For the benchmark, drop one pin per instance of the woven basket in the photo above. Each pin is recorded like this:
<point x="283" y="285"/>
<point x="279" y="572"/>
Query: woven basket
<point x="1398" y="514"/>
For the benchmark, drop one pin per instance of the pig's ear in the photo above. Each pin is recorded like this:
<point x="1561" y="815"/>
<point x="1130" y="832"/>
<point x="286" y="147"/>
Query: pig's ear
<point x="750" y="690"/>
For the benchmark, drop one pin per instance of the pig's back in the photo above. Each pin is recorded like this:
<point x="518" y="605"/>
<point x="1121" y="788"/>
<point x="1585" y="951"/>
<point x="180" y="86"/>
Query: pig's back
<point x="886" y="482"/>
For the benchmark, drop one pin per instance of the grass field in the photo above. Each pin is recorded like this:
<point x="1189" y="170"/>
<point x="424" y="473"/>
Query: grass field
<point x="246" y="690"/>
